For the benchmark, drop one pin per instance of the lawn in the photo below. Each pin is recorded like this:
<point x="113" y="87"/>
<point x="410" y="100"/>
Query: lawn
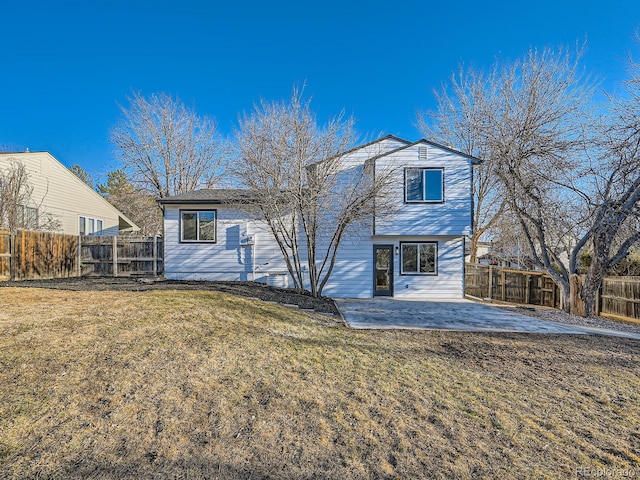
<point x="194" y="385"/>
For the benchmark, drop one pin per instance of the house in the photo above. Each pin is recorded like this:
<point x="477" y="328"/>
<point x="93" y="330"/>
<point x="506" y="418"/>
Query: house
<point x="62" y="201"/>
<point x="417" y="252"/>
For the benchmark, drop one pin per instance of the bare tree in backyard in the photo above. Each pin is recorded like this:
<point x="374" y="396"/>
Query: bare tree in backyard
<point x="614" y="202"/>
<point x="305" y="191"/>
<point x="165" y="147"/>
<point x="460" y="121"/>
<point x="528" y="117"/>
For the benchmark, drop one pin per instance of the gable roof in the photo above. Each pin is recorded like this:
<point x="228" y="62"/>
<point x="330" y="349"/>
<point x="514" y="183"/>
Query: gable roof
<point x="211" y="195"/>
<point x="378" y="140"/>
<point x="124" y="222"/>
<point x="474" y="160"/>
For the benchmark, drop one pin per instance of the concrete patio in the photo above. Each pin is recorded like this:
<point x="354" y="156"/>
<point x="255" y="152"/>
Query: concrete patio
<point x="454" y="314"/>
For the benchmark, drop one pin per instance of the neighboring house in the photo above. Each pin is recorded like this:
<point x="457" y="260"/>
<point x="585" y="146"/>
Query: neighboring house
<point x="418" y="252"/>
<point x="60" y="195"/>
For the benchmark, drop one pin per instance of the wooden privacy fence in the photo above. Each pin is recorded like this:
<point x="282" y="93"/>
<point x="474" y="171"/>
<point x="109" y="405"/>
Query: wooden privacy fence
<point x="618" y="298"/>
<point x="121" y="256"/>
<point x="29" y="255"/>
<point x="513" y="286"/>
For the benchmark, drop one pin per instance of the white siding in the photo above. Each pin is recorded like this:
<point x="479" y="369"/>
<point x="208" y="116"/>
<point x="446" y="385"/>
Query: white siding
<point x="452" y="217"/>
<point x="226" y="259"/>
<point x="353" y="273"/>
<point x="352" y="276"/>
<point x="57" y="191"/>
<point x="449" y="281"/>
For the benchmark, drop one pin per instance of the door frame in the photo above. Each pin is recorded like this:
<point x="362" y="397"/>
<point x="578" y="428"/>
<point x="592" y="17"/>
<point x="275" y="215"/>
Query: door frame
<point x="390" y="248"/>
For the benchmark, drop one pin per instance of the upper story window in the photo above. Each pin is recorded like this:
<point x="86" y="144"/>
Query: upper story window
<point x="424" y="185"/>
<point x="198" y="226"/>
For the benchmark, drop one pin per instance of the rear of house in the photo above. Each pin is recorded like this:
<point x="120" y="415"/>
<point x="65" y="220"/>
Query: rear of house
<point x="417" y="251"/>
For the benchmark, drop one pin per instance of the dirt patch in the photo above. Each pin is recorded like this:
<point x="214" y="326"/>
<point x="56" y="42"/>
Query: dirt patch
<point x="285" y="296"/>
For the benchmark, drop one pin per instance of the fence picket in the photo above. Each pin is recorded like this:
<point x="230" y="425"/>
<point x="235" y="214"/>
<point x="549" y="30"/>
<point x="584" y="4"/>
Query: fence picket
<point x="27" y="255"/>
<point x="619" y="297"/>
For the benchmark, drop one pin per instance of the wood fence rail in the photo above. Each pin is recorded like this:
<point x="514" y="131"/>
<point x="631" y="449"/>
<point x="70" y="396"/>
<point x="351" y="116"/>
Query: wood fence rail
<point x="121" y="256"/>
<point x="28" y="255"/>
<point x="618" y="298"/>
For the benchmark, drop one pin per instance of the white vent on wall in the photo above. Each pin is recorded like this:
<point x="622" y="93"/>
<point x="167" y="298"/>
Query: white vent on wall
<point x="422" y="152"/>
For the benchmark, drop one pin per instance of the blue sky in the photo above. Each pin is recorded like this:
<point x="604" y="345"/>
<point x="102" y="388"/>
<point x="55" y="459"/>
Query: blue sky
<point x="65" y="65"/>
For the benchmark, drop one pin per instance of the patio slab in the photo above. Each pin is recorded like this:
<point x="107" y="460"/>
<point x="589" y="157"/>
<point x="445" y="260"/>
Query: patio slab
<point x="452" y="314"/>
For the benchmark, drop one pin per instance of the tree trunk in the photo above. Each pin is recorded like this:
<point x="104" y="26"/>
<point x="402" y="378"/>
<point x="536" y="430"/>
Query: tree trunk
<point x="576" y="302"/>
<point x="474" y="248"/>
<point x="565" y="296"/>
<point x="592" y="283"/>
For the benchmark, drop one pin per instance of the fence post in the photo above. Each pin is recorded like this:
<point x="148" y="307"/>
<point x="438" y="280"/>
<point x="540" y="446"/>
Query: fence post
<point x="79" y="257"/>
<point x="527" y="291"/>
<point x="155" y="255"/>
<point x="114" y="256"/>
<point x="12" y="257"/>
<point x="490" y="281"/>
<point x="504" y="284"/>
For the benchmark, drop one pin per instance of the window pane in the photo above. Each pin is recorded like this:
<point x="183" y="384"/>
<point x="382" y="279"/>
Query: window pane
<point x="427" y="258"/>
<point x="189" y="226"/>
<point x="382" y="269"/>
<point x="433" y="182"/>
<point x="99" y="226"/>
<point x="414" y="186"/>
<point x="410" y="258"/>
<point x="207" y="226"/>
<point x="91" y="227"/>
<point x="82" y="226"/>
<point x="31" y="217"/>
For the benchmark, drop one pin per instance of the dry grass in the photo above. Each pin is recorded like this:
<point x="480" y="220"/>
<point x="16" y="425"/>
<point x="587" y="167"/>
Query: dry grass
<point x="191" y="385"/>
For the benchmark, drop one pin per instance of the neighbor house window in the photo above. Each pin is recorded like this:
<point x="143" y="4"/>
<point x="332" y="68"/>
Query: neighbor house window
<point x="29" y="217"/>
<point x="424" y="185"/>
<point x="89" y="226"/>
<point x="198" y="226"/>
<point x="419" y="258"/>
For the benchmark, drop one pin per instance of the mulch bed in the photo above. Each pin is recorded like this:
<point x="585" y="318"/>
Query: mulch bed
<point x="262" y="291"/>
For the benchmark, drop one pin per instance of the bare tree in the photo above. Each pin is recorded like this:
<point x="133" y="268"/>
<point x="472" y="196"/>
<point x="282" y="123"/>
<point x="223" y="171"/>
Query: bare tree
<point x="165" y="147"/>
<point x="529" y="118"/>
<point x="306" y="190"/>
<point x="18" y="208"/>
<point x="614" y="199"/>
<point x="460" y="120"/>
<point x="136" y="204"/>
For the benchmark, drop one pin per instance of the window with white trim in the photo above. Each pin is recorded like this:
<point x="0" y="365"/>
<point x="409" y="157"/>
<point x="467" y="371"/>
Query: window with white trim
<point x="89" y="226"/>
<point x="198" y="226"/>
<point x="28" y="217"/>
<point x="419" y="258"/>
<point x="424" y="185"/>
